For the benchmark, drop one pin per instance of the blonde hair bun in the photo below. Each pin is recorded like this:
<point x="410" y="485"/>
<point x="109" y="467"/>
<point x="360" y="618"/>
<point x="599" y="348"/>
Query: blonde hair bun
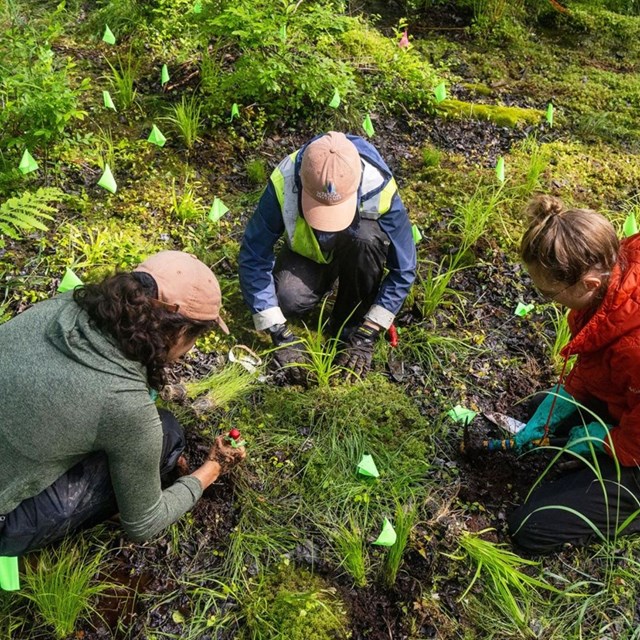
<point x="541" y="208"/>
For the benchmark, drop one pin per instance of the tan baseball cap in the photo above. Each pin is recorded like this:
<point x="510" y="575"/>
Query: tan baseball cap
<point x="330" y="172"/>
<point x="186" y="283"/>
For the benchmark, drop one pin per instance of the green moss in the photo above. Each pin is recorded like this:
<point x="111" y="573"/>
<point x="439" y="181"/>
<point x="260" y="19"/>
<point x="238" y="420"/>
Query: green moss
<point x="502" y="116"/>
<point x="293" y="604"/>
<point x="478" y="88"/>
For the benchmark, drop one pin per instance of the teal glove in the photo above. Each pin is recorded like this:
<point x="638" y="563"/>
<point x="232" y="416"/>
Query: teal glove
<point x="585" y="437"/>
<point x="534" y="429"/>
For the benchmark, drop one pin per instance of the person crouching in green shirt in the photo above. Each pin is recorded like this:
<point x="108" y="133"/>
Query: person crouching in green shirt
<point x="80" y="437"/>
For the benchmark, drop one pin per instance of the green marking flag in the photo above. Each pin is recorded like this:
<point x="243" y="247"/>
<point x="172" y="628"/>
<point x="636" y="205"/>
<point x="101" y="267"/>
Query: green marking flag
<point x="108" y="36"/>
<point x="9" y="575"/>
<point x="69" y="282"/>
<point x="27" y="163"/>
<point x="387" y="537"/>
<point x="335" y="101"/>
<point x="108" y="102"/>
<point x="283" y="33"/>
<point x="630" y="227"/>
<point x="415" y="232"/>
<point x="107" y="181"/>
<point x="524" y="309"/>
<point x="440" y="92"/>
<point x="197" y="7"/>
<point x="550" y="114"/>
<point x="367" y="125"/>
<point x="500" y="169"/>
<point x="460" y="414"/>
<point x="164" y="75"/>
<point x="235" y="112"/>
<point x="367" y="467"/>
<point x="218" y="209"/>
<point x="156" y="137"/>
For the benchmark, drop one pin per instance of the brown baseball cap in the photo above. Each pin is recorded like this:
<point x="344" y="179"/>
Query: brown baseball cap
<point x="330" y="172"/>
<point x="186" y="283"/>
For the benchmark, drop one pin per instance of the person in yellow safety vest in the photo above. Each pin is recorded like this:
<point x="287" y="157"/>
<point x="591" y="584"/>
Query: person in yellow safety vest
<point x="337" y="205"/>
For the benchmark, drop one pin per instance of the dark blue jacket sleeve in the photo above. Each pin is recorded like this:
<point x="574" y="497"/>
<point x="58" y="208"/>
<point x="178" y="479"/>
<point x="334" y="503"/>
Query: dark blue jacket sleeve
<point x="401" y="259"/>
<point x="256" y="258"/>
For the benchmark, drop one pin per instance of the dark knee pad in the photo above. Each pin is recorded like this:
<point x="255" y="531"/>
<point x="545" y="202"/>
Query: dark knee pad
<point x="173" y="441"/>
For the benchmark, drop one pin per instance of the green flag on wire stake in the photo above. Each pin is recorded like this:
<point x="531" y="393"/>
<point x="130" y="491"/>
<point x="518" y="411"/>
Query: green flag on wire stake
<point x="387" y="537"/>
<point x="27" y="163"/>
<point x="335" y="101"/>
<point x="108" y="36"/>
<point x="9" y="575"/>
<point x="500" y="169"/>
<point x="218" y="209"/>
<point x="415" y="232"/>
<point x="235" y="112"/>
<point x="440" y="92"/>
<point x="283" y="33"/>
<point x="156" y="137"/>
<point x="549" y="115"/>
<point x="523" y="310"/>
<point x="107" y="181"/>
<point x="460" y="414"/>
<point x="164" y="75"/>
<point x="367" y="467"/>
<point x="630" y="227"/>
<point x="69" y="282"/>
<point x="367" y="125"/>
<point x="108" y="102"/>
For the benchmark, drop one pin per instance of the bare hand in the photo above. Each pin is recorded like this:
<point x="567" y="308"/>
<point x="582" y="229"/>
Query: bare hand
<point x="225" y="455"/>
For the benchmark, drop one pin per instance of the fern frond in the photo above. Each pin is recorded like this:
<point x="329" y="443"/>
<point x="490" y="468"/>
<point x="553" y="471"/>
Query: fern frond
<point x="27" y="211"/>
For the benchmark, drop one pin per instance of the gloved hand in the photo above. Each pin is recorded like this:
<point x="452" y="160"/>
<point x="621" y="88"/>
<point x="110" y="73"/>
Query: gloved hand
<point x="564" y="406"/>
<point x="288" y="352"/>
<point x="355" y="358"/>
<point x="595" y="432"/>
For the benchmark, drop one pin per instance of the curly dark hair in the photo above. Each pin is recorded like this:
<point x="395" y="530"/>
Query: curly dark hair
<point x="125" y="306"/>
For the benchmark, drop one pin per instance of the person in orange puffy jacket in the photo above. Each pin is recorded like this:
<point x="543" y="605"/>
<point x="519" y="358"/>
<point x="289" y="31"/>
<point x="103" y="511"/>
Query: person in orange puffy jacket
<point x="574" y="258"/>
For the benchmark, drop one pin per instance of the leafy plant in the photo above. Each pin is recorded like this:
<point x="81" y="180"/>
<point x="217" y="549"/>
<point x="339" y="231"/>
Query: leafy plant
<point x="61" y="587"/>
<point x="123" y="78"/>
<point x="186" y="204"/>
<point x="186" y="120"/>
<point x="26" y="212"/>
<point x="504" y="581"/>
<point x="561" y="335"/>
<point x="434" y="284"/>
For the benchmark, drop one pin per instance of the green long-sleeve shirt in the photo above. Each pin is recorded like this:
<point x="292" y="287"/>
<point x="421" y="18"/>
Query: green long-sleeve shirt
<point x="66" y="390"/>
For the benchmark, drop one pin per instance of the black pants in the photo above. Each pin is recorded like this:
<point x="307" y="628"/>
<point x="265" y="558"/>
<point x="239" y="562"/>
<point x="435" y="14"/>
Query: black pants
<point x="358" y="263"/>
<point x="80" y="498"/>
<point x="567" y="510"/>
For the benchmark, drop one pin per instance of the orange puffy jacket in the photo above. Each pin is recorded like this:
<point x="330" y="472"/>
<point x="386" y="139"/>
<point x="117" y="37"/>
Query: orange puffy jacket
<point x="607" y="344"/>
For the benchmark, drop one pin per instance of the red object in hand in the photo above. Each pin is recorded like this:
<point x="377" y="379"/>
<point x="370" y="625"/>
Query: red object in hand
<point x="393" y="336"/>
<point x="235" y="434"/>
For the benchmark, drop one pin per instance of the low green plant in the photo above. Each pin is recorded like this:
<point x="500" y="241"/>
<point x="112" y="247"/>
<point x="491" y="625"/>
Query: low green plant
<point x="123" y="78"/>
<point x="222" y="387"/>
<point x="61" y="585"/>
<point x="25" y="213"/>
<point x="472" y="217"/>
<point x="349" y="543"/>
<point x="186" y="204"/>
<point x="186" y="120"/>
<point x="504" y="582"/>
<point x="433" y="284"/>
<point x="431" y="157"/>
<point x="560" y="337"/>
<point x="257" y="171"/>
<point x="405" y="519"/>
